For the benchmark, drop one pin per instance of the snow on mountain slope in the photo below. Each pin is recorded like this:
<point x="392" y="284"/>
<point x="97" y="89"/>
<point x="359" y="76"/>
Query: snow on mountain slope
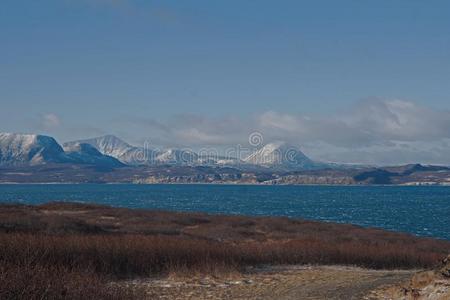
<point x="110" y="151"/>
<point x="176" y="156"/>
<point x="280" y="154"/>
<point x="215" y="159"/>
<point x="275" y="155"/>
<point x="108" y="145"/>
<point x="115" y="147"/>
<point x="131" y="155"/>
<point x="29" y="149"/>
<point x="88" y="154"/>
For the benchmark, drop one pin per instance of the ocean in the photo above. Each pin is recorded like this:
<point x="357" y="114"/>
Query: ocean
<point x="420" y="210"/>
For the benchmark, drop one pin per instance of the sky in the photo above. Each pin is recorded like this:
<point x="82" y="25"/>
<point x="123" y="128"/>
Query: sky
<point x="353" y="81"/>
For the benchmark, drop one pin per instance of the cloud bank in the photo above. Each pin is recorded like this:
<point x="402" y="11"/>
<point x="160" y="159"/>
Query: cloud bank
<point x="50" y="121"/>
<point x="375" y="131"/>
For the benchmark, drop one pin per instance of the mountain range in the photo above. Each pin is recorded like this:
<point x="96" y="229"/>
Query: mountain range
<point x="111" y="151"/>
<point x="30" y="158"/>
<point x="31" y="150"/>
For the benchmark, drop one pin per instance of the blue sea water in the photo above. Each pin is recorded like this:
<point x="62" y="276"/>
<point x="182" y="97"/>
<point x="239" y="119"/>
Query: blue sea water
<point x="424" y="210"/>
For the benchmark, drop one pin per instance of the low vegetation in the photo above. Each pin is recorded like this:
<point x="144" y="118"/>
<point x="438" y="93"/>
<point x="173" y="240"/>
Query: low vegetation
<point x="75" y="251"/>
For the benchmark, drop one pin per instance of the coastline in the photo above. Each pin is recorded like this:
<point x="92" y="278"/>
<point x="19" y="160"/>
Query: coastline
<point x="359" y="205"/>
<point x="223" y="184"/>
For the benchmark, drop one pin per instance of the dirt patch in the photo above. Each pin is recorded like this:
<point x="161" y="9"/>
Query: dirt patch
<point x="297" y="282"/>
<point x="429" y="285"/>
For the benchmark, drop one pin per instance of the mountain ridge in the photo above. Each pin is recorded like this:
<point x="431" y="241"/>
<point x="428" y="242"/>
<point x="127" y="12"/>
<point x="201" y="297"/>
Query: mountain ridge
<point x="280" y="154"/>
<point x="146" y="156"/>
<point x="86" y="153"/>
<point x="18" y="149"/>
<point x="277" y="155"/>
<point x="112" y="146"/>
<point x="32" y="149"/>
<point x="31" y="158"/>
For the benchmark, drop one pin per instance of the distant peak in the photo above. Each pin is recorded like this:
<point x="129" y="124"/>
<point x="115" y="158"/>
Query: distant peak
<point x="279" y="153"/>
<point x="26" y="137"/>
<point x="22" y="149"/>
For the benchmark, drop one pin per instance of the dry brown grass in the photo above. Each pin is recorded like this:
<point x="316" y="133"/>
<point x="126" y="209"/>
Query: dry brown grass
<point x="57" y="250"/>
<point x="35" y="281"/>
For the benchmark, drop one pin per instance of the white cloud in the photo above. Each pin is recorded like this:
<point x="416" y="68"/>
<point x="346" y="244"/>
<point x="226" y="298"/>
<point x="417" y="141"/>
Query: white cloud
<point x="400" y="120"/>
<point x="50" y="121"/>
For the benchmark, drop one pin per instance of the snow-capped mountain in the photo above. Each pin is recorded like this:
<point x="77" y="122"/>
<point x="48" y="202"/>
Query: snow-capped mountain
<point x="32" y="149"/>
<point x="88" y="154"/>
<point x="176" y="156"/>
<point x="115" y="147"/>
<point x="280" y="155"/>
<point x="110" y="151"/>
<point x="131" y="155"/>
<point x="108" y="145"/>
<point x="274" y="155"/>
<point x="29" y="149"/>
<point x="217" y="160"/>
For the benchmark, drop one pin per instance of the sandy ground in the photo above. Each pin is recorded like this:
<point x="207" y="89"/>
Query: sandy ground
<point x="426" y="285"/>
<point x="321" y="282"/>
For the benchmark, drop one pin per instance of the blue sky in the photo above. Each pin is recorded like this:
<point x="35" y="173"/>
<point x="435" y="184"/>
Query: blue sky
<point x="146" y="69"/>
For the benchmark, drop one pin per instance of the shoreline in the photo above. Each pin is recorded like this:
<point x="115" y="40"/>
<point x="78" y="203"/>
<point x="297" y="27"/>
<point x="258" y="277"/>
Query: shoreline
<point x="226" y="184"/>
<point x="80" y="205"/>
<point x="219" y="214"/>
